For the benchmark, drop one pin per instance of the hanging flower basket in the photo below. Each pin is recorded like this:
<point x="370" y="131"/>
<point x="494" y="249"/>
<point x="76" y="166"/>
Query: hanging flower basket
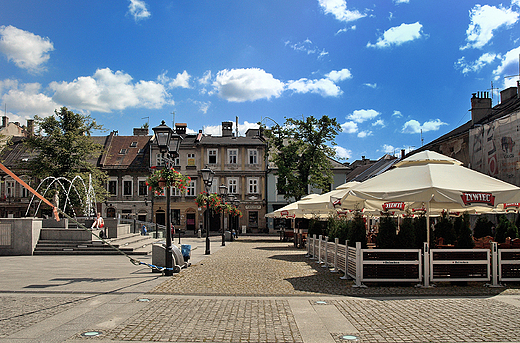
<point x="214" y="202"/>
<point x="167" y="177"/>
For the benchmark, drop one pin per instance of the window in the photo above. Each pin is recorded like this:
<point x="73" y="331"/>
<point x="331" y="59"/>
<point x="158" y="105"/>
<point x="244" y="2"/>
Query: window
<point x="9" y="189"/>
<point x="24" y="191"/>
<point x="280" y="183"/>
<point x="176" y="217"/>
<point x="112" y="187"/>
<point x="253" y="186"/>
<point x="253" y="218"/>
<point x="143" y="188"/>
<point x="212" y="156"/>
<point x="191" y="189"/>
<point x="127" y="187"/>
<point x="232" y="186"/>
<point x="253" y="153"/>
<point x="159" y="160"/>
<point x="232" y="156"/>
<point x="177" y="161"/>
<point x="133" y="145"/>
<point x="191" y="159"/>
<point x="123" y="151"/>
<point x="175" y="192"/>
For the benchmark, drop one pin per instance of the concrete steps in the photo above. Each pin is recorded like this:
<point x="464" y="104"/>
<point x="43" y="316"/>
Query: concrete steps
<point x="131" y="244"/>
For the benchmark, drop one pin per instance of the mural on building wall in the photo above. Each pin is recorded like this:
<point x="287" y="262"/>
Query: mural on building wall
<point x="494" y="150"/>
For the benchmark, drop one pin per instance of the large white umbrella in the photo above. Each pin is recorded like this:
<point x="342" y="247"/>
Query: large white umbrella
<point x="438" y="181"/>
<point x="291" y="210"/>
<point x="324" y="204"/>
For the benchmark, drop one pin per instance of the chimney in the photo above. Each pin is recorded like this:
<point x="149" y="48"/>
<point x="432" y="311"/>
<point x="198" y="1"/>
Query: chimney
<point x="227" y="129"/>
<point x="30" y="127"/>
<point x="402" y="153"/>
<point x="140" y="131"/>
<point x="5" y="121"/>
<point x="480" y="106"/>
<point x="509" y="93"/>
<point x="180" y="128"/>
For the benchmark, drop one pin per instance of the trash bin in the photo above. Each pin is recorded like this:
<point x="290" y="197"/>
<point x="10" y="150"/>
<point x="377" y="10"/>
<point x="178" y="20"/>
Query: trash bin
<point x="186" y="252"/>
<point x="228" y="236"/>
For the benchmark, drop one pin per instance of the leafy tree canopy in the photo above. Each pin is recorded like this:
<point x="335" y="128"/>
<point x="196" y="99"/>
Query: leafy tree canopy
<point x="63" y="147"/>
<point x="301" y="149"/>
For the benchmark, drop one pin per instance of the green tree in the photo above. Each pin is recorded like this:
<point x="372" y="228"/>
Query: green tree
<point x="63" y="148"/>
<point x="300" y="150"/>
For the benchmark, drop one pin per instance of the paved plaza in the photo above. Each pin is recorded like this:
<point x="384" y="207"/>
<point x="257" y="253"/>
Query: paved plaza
<point x="256" y="289"/>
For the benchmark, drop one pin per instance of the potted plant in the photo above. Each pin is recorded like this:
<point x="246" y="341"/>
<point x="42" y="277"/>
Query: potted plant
<point x="167" y="177"/>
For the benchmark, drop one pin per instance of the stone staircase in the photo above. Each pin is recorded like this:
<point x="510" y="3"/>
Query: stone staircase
<point x="131" y="244"/>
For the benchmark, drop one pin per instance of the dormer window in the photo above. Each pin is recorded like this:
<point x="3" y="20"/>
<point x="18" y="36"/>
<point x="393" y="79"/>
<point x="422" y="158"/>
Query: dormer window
<point x="123" y="151"/>
<point x="133" y="145"/>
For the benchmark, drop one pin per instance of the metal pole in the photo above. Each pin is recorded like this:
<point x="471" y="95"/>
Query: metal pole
<point x="169" y="256"/>
<point x="207" y="226"/>
<point x="223" y="233"/>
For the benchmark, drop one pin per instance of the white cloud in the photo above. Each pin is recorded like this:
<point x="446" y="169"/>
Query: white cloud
<point x="25" y="49"/>
<point x="397" y="114"/>
<point x="371" y="85"/>
<point x="338" y="8"/>
<point x="413" y="126"/>
<point x="26" y="99"/>
<point x="398" y="35"/>
<point x="324" y="87"/>
<point x="349" y="127"/>
<point x="343" y="153"/>
<point x="388" y="149"/>
<point x="138" y="10"/>
<point x="484" y="20"/>
<point x="508" y="67"/>
<point x="203" y="105"/>
<point x="475" y="66"/>
<point x="339" y="75"/>
<point x="360" y="116"/>
<point x="307" y="47"/>
<point x="353" y="27"/>
<point x="181" y="80"/>
<point x="401" y="1"/>
<point x="379" y="122"/>
<point x="515" y="2"/>
<point x="206" y="78"/>
<point x="216" y="130"/>
<point x="239" y="85"/>
<point x="106" y="91"/>
<point x="363" y="134"/>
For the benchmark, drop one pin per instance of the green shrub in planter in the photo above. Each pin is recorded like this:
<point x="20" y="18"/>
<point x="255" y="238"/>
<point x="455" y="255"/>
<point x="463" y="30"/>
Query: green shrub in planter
<point x="505" y="229"/>
<point x="483" y="227"/>
<point x="444" y="228"/>
<point x="387" y="236"/>
<point x="337" y="228"/>
<point x="463" y="230"/>
<point x="406" y="236"/>
<point x="357" y="231"/>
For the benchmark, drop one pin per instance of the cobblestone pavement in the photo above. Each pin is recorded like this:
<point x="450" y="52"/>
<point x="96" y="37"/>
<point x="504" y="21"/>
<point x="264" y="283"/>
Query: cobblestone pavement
<point x="219" y="302"/>
<point x="252" y="290"/>
<point x="17" y="313"/>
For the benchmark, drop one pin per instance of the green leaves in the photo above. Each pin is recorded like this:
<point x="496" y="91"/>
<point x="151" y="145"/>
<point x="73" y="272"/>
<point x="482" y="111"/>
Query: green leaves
<point x="301" y="149"/>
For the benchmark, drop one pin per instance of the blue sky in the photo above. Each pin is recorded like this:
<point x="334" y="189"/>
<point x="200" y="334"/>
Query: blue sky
<point x="387" y="70"/>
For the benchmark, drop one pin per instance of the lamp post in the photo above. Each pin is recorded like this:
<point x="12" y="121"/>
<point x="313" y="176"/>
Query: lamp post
<point x="168" y="142"/>
<point x="207" y="177"/>
<point x="223" y="191"/>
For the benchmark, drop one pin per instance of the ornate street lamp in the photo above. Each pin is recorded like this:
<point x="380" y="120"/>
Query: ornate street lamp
<point x="207" y="177"/>
<point x="223" y="192"/>
<point x="169" y="143"/>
